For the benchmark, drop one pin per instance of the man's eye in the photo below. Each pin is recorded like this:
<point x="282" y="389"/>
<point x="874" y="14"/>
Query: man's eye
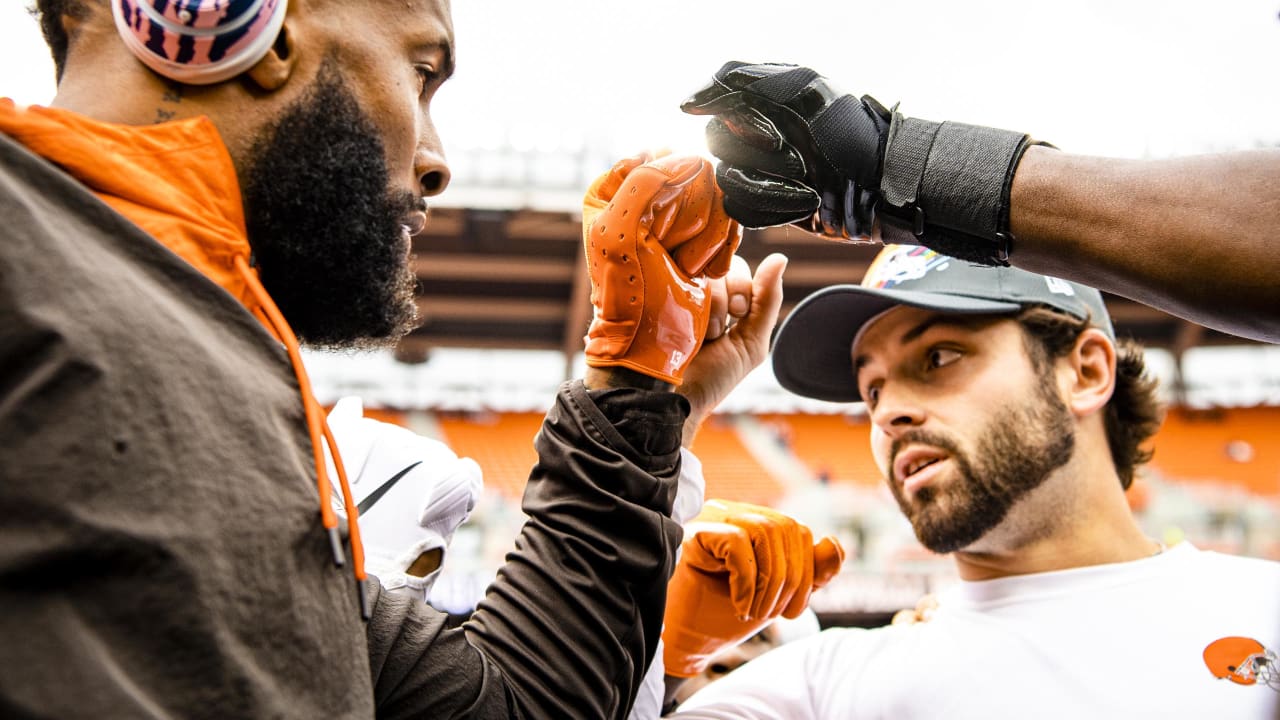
<point x="426" y="77"/>
<point x="941" y="357"/>
<point x="871" y="395"/>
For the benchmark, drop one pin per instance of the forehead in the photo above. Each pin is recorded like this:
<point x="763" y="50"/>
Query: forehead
<point x="888" y="325"/>
<point x="437" y="11"/>
<point x="432" y="16"/>
<point x="901" y="325"/>
<point x="411" y="22"/>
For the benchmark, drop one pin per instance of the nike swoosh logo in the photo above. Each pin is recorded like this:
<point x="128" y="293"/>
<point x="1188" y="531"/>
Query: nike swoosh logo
<point x="376" y="495"/>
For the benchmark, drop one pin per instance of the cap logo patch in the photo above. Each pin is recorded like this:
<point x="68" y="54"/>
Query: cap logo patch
<point x="902" y="265"/>
<point x="1059" y="287"/>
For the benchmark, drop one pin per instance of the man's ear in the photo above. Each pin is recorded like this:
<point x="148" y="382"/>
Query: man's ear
<point x="272" y="72"/>
<point x="1092" y="367"/>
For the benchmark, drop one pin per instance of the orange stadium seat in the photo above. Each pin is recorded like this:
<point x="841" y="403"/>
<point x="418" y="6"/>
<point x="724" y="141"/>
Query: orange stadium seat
<point x="731" y="471"/>
<point x="502" y="443"/>
<point x="386" y="415"/>
<point x="836" y="446"/>
<point x="1237" y="446"/>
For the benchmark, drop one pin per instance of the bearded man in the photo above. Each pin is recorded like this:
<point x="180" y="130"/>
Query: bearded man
<point x="213" y="182"/>
<point x="1008" y="422"/>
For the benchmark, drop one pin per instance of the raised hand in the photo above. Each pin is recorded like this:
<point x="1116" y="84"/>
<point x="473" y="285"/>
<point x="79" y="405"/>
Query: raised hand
<point x="794" y="149"/>
<point x="654" y="232"/>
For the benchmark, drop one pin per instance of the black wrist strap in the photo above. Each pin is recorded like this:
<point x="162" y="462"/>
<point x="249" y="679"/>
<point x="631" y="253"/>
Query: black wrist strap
<point x="946" y="186"/>
<point x="905" y="156"/>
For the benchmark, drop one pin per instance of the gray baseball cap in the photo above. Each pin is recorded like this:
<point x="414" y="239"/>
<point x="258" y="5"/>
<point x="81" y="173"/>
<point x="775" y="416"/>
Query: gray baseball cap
<point x="812" y="351"/>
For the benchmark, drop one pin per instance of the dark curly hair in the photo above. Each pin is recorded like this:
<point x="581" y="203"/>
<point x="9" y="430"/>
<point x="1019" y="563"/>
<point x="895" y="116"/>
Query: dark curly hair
<point x="1133" y="414"/>
<point x="49" y="13"/>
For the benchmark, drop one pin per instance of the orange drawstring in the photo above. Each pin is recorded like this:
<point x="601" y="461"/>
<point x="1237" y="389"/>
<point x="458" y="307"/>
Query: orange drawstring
<point x="353" y="526"/>
<point x="316" y="428"/>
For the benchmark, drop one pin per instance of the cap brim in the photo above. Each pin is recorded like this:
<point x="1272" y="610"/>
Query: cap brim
<point x="812" y="353"/>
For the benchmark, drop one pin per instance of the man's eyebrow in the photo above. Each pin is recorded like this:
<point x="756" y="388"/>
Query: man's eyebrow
<point x="447" y="70"/>
<point x="445" y="48"/>
<point x="962" y="321"/>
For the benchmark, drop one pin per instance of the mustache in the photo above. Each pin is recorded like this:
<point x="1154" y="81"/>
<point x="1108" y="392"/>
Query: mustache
<point x="920" y="437"/>
<point x="405" y="203"/>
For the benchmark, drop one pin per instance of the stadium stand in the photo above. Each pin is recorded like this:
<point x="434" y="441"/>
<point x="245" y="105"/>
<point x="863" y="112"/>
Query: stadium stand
<point x="502" y="443"/>
<point x="731" y="470"/>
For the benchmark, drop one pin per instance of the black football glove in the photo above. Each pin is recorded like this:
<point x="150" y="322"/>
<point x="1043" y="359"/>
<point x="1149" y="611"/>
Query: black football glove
<point x="794" y="149"/>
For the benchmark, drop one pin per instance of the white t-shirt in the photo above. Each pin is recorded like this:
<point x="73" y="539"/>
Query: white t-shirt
<point x="1124" y="640"/>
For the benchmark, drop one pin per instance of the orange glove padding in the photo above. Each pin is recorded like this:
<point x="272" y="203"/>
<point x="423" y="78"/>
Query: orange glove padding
<point x="740" y="567"/>
<point x="653" y="232"/>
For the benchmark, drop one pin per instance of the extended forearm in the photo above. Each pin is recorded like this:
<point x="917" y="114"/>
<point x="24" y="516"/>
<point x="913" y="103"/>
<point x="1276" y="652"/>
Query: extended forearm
<point x="575" y="615"/>
<point x="1192" y="236"/>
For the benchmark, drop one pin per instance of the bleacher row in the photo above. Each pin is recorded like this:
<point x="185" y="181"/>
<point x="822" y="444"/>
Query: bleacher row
<point x="1238" y="447"/>
<point x="1225" y="462"/>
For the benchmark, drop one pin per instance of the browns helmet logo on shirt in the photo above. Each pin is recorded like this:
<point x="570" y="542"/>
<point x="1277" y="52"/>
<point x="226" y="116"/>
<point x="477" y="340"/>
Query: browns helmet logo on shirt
<point x="1243" y="661"/>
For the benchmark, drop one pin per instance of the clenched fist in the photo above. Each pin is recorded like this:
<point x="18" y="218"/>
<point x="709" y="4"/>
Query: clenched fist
<point x="654" y="231"/>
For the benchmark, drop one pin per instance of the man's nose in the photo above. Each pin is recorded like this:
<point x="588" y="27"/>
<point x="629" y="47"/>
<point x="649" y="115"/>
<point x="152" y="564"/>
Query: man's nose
<point x="429" y="164"/>
<point x="897" y="409"/>
<point x="431" y="170"/>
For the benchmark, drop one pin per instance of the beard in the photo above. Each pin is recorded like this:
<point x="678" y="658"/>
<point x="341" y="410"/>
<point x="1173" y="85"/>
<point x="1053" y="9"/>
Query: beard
<point x="325" y="227"/>
<point x="1020" y="447"/>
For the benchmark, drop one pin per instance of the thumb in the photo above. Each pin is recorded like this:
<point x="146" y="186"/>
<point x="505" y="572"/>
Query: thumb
<point x="766" y="300"/>
<point x="713" y="97"/>
<point x="828" y="557"/>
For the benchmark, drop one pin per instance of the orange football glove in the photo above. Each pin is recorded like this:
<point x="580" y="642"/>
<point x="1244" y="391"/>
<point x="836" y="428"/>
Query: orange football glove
<point x="653" y="232"/>
<point x="740" y="567"/>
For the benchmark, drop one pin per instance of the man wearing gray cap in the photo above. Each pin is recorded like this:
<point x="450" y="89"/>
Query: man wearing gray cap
<point x="1008" y="420"/>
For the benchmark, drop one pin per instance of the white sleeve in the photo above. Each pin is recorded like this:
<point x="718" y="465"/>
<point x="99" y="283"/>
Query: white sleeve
<point x="689" y="497"/>
<point x="690" y="490"/>
<point x="648" y="705"/>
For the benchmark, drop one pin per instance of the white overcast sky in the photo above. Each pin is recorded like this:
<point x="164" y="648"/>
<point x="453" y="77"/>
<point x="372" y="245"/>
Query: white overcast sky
<point x="1112" y="77"/>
